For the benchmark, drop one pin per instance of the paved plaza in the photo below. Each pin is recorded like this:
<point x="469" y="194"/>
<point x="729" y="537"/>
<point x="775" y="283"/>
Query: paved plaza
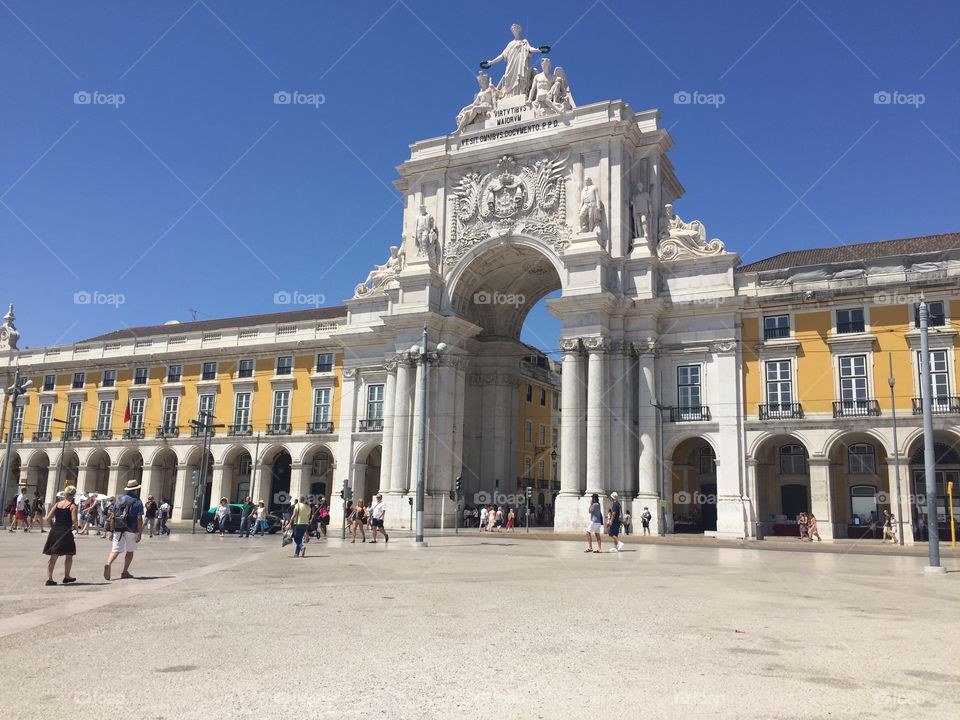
<point x="478" y="625"/>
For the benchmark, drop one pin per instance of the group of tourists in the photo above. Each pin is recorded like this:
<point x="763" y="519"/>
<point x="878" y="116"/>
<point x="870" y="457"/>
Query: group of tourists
<point x="123" y="524"/>
<point x="807" y="523"/>
<point x="359" y="515"/>
<point x="612" y="524"/>
<point x="491" y="518"/>
<point x="22" y="513"/>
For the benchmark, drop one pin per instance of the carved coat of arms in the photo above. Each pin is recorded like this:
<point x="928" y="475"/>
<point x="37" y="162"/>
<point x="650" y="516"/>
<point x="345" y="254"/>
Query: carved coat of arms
<point x="528" y="199"/>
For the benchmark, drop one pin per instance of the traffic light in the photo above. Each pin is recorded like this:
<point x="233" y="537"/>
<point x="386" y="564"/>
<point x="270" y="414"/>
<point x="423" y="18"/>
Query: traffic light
<point x="458" y="488"/>
<point x="529" y="491"/>
<point x="347" y="492"/>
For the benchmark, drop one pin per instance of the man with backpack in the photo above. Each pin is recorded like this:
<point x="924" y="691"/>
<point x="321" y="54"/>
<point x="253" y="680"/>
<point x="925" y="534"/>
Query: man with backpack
<point x="126" y="523"/>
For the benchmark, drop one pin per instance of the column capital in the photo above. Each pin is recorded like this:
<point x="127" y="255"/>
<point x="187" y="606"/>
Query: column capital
<point x="646" y="347"/>
<point x="597" y="345"/>
<point x="570" y="345"/>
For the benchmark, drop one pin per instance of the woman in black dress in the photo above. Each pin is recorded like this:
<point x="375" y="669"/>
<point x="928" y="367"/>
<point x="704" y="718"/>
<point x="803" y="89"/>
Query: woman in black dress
<point x="60" y="540"/>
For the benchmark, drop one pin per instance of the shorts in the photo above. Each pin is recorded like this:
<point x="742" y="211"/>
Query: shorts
<point x="615" y="528"/>
<point x="646" y="523"/>
<point x="124" y="542"/>
<point x="377" y="522"/>
<point x="20" y="515"/>
<point x="595" y="528"/>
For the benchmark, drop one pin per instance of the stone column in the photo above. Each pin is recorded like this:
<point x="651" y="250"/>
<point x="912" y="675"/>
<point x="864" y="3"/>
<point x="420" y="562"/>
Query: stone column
<point x="84" y="478"/>
<point x="613" y="395"/>
<point x="598" y="418"/>
<point x="648" y="493"/>
<point x="185" y="491"/>
<point x="389" y="410"/>
<point x="903" y="513"/>
<point x="821" y="497"/>
<point x="401" y="430"/>
<point x="346" y="428"/>
<point x="752" y="500"/>
<point x="440" y="439"/>
<point x="667" y="470"/>
<point x="113" y="484"/>
<point x="571" y="415"/>
<point x="413" y="460"/>
<point x="152" y="482"/>
<point x="50" y="493"/>
<point x="731" y="521"/>
<point x="219" y="484"/>
<point x="300" y="479"/>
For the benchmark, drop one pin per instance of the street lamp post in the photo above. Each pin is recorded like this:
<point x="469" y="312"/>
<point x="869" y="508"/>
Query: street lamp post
<point x="206" y="426"/>
<point x="896" y="447"/>
<point x="19" y="387"/>
<point x="63" y="449"/>
<point x="929" y="461"/>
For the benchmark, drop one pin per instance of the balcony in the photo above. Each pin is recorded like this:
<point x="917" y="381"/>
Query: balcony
<point x="70" y="435"/>
<point x="43" y="436"/>
<point x="854" y="326"/>
<point x="279" y="429"/>
<point x="693" y="413"/>
<point x="319" y="428"/>
<point x="240" y="430"/>
<point x="133" y="434"/>
<point x="780" y="411"/>
<point x="17" y="437"/>
<point x="371" y="425"/>
<point x="856" y="408"/>
<point x="197" y="432"/>
<point x="774" y="333"/>
<point x="941" y="405"/>
<point x="168" y="431"/>
<point x="102" y="434"/>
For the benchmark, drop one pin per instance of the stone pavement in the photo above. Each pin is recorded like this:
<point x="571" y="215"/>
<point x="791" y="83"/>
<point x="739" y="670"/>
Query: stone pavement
<point x="498" y="626"/>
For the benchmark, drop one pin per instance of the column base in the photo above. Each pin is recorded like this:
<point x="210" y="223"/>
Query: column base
<point x="938" y="570"/>
<point x="570" y="513"/>
<point x="731" y="518"/>
<point x="652" y="502"/>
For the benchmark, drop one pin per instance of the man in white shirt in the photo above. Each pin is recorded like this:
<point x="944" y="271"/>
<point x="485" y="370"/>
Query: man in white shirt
<point x="483" y="518"/>
<point x="21" y="511"/>
<point x="377" y="513"/>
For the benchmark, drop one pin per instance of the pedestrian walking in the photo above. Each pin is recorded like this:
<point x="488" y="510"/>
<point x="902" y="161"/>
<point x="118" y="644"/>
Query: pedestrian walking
<point x="38" y="511"/>
<point x="150" y="509"/>
<point x="21" y="511"/>
<point x="377" y="514"/>
<point x="594" y="524"/>
<point x="483" y="518"/>
<point x="60" y="541"/>
<point x="299" y="523"/>
<point x="222" y="515"/>
<point x="357" y="521"/>
<point x="645" y="517"/>
<point x="260" y="519"/>
<point x="247" y="516"/>
<point x="164" y="516"/>
<point x="125" y="523"/>
<point x="627" y="522"/>
<point x="812" y="528"/>
<point x="324" y="516"/>
<point x="616" y="523"/>
<point x="511" y="520"/>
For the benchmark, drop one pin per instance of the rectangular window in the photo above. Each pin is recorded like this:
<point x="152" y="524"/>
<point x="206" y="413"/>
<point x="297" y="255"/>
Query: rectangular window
<point x="73" y="416"/>
<point x="241" y="409"/>
<point x="49" y="382"/>
<point x="321" y="464"/>
<point x="529" y="393"/>
<point x="553" y="471"/>
<point x="939" y="376"/>
<point x="555" y="438"/>
<point x="174" y="373"/>
<point x="936" y="315"/>
<point x="325" y="362"/>
<point x="688" y="386"/>
<point x="779" y="386"/>
<point x="853" y="378"/>
<point x="850" y="321"/>
<point x="374" y="402"/>
<point x="46" y="418"/>
<point x="284" y="364"/>
<point x="863" y="460"/>
<point x="109" y="378"/>
<point x="321" y="406"/>
<point x="541" y="469"/>
<point x="542" y="435"/>
<point x="244" y="465"/>
<point x="78" y="380"/>
<point x="245" y="369"/>
<point x="171" y="411"/>
<point x="543" y="397"/>
<point x="527" y="464"/>
<point x="528" y="432"/>
<point x="209" y="371"/>
<point x="140" y="376"/>
<point x="136" y="413"/>
<point x="281" y="407"/>
<point x="776" y="326"/>
<point x="205" y="405"/>
<point x="16" y="427"/>
<point x="105" y="415"/>
<point x="556" y="401"/>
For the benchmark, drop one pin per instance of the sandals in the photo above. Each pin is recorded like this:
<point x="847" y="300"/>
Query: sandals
<point x="67" y="580"/>
<point x="588" y="550"/>
<point x="50" y="582"/>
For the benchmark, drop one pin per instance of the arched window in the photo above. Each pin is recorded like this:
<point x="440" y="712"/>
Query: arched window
<point x="943" y="455"/>
<point x="862" y="459"/>
<point x="793" y="460"/>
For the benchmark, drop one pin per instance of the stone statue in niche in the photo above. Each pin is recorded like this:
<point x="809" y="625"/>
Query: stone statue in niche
<point x="641" y="205"/>
<point x="517" y="77"/>
<point x="381" y="275"/>
<point x="425" y="234"/>
<point x="680" y="239"/>
<point x="482" y="105"/>
<point x="591" y="209"/>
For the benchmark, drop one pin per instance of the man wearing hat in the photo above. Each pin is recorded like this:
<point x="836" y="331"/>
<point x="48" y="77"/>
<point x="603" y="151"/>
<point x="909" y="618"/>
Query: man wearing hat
<point x="377" y="513"/>
<point x="126" y="524"/>
<point x="615" y="517"/>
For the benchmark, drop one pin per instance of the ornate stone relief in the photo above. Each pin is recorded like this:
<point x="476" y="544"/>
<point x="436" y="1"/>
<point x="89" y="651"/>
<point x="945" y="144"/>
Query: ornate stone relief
<point x="425" y="236"/>
<point x="514" y="198"/>
<point x="382" y="275"/>
<point x="724" y="346"/>
<point x="350" y="372"/>
<point x="569" y="344"/>
<point x="679" y="239"/>
<point x="597" y="344"/>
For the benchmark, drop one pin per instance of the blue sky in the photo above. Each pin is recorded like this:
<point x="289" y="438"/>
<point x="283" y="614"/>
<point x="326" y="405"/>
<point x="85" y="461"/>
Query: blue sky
<point x="198" y="192"/>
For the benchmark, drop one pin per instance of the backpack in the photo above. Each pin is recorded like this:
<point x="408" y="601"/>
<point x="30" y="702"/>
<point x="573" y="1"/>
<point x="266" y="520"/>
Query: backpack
<point x="123" y="516"/>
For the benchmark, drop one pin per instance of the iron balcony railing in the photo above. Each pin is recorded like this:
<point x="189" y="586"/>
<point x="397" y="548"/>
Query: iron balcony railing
<point x="133" y="434"/>
<point x="319" y="428"/>
<point x="692" y="413"/>
<point x="775" y="332"/>
<point x="778" y="411"/>
<point x="42" y="436"/>
<point x="371" y="425"/>
<point x="941" y="405"/>
<point x="17" y="437"/>
<point x="241" y="429"/>
<point x="196" y="432"/>
<point x="857" y="326"/>
<point x="102" y="434"/>
<point x="71" y="435"/>
<point x="168" y="431"/>
<point x="279" y="429"/>
<point x="856" y="408"/>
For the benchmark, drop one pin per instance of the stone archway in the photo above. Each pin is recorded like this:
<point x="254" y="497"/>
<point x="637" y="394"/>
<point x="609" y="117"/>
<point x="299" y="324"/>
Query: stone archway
<point x="783" y="488"/>
<point x="946" y="453"/>
<point x="694" y="493"/>
<point x="859" y="484"/>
